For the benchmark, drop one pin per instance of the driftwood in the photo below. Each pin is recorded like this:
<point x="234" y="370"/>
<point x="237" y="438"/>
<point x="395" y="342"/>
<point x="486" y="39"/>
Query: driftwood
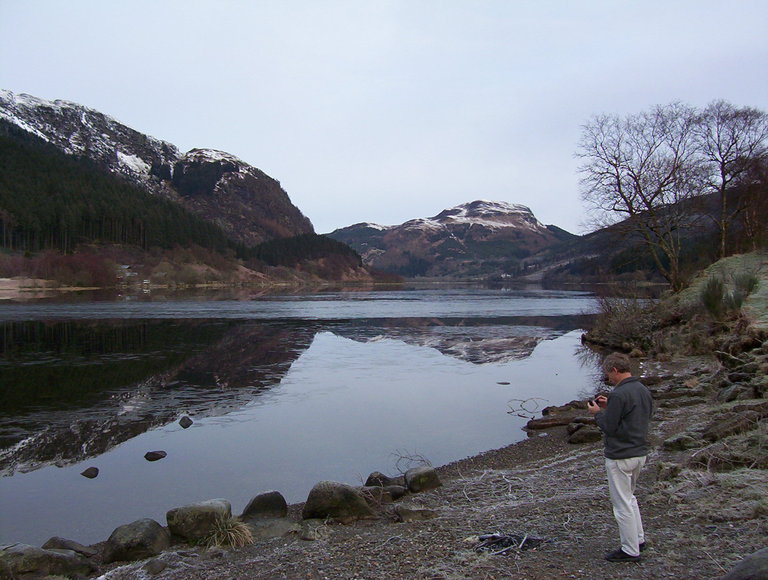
<point x="499" y="543"/>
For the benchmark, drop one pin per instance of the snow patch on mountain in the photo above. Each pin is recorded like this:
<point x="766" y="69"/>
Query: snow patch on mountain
<point x="133" y="163"/>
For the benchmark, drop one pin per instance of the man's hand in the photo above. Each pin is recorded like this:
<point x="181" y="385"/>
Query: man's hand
<point x="598" y="404"/>
<point x="602" y="401"/>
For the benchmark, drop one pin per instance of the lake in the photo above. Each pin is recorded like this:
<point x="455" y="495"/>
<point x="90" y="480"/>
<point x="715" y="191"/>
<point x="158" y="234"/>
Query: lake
<point x="283" y="391"/>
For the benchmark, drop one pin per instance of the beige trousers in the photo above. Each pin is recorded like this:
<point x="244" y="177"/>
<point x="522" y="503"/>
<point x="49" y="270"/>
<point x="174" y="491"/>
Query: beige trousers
<point x="622" y="480"/>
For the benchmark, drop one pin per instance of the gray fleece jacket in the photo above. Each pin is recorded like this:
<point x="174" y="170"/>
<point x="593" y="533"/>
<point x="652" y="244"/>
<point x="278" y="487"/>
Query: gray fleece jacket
<point x="626" y="419"/>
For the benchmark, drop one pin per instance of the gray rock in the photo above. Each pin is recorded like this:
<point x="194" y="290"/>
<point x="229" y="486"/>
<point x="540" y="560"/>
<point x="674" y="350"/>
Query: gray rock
<point x="666" y="471"/>
<point x="548" y="422"/>
<point x="313" y="529"/>
<point x="736" y="423"/>
<point x="552" y="409"/>
<point x="753" y="567"/>
<point x="378" y="478"/>
<point x="421" y="479"/>
<point x="587" y="434"/>
<point x="376" y="496"/>
<point x="57" y="543"/>
<point x="396" y="491"/>
<point x="330" y="499"/>
<point x="683" y="402"/>
<point x="264" y="529"/>
<point x="270" y="504"/>
<point x="185" y="422"/>
<point x="571" y="428"/>
<point x="154" y="567"/>
<point x="135" y="541"/>
<point x="18" y="560"/>
<point x="196" y="521"/>
<point x="759" y="407"/>
<point x="407" y="514"/>
<point x="90" y="473"/>
<point x="734" y="393"/>
<point x="681" y="442"/>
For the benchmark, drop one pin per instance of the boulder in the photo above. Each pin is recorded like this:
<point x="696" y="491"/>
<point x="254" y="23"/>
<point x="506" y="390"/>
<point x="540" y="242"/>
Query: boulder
<point x="19" y="560"/>
<point x="587" y="434"/>
<point x="554" y="409"/>
<point x="421" y="479"/>
<point x="378" y="478"/>
<point x="270" y="504"/>
<point x="548" y="422"/>
<point x="136" y="541"/>
<point x="155" y="455"/>
<point x="376" y="495"/>
<point x="57" y="543"/>
<point x="571" y="428"/>
<point x="396" y="491"/>
<point x="753" y="567"/>
<point x="330" y="499"/>
<point x="196" y="521"/>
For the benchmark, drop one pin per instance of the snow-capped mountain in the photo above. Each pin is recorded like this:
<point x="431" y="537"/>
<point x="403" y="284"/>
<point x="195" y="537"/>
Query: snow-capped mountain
<point x="244" y="201"/>
<point x="477" y="238"/>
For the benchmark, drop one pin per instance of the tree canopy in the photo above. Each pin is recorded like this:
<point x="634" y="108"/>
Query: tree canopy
<point x="645" y="169"/>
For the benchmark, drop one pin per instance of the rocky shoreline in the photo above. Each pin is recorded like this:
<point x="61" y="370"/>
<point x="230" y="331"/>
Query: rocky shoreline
<point x="702" y="494"/>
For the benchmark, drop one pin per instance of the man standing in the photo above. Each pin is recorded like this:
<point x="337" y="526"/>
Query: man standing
<point x="624" y="417"/>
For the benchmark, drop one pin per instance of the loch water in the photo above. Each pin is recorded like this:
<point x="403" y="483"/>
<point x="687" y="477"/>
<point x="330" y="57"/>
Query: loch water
<point x="283" y="391"/>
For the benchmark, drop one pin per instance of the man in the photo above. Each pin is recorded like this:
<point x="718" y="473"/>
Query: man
<point x="624" y="418"/>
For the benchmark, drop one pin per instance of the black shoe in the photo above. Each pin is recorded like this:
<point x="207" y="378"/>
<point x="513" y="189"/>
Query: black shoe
<point x="642" y="546"/>
<point x="621" y="556"/>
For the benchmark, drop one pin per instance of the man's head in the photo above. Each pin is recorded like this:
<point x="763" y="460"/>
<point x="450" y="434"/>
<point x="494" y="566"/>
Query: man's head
<point x="616" y="367"/>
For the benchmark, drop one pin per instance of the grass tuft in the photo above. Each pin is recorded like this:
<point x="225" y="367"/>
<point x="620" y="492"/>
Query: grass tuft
<point x="229" y="533"/>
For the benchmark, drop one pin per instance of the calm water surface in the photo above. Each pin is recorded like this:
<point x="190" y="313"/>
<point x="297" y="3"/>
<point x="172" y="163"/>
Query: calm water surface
<point x="284" y="391"/>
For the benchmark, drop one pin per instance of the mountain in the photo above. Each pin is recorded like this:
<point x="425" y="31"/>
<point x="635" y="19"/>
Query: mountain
<point x="247" y="204"/>
<point x="479" y="238"/>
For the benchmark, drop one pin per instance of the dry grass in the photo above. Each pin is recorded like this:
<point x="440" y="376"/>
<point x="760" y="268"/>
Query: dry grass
<point x="229" y="533"/>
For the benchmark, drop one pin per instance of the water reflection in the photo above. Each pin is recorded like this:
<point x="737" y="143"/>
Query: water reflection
<point x="75" y="389"/>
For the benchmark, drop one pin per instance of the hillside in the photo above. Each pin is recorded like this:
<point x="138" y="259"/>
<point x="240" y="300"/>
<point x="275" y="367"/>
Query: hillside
<point x="245" y="203"/>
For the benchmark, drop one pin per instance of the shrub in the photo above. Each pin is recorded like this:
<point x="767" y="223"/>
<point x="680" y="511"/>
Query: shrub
<point x="720" y="301"/>
<point x="624" y="322"/>
<point x="713" y="296"/>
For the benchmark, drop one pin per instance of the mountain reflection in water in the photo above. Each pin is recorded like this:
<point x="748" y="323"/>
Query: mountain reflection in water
<point x="73" y="390"/>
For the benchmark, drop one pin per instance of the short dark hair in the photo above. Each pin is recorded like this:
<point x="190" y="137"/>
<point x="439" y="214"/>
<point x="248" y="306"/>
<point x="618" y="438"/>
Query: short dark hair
<point x="618" y="361"/>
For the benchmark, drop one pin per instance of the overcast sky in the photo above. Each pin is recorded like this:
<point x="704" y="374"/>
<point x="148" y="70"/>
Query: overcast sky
<point x="384" y="111"/>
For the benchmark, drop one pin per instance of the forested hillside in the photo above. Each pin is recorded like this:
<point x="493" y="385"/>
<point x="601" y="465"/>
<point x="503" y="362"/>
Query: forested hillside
<point x="49" y="200"/>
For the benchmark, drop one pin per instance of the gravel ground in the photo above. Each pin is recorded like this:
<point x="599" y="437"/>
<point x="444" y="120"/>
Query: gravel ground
<point x="699" y="523"/>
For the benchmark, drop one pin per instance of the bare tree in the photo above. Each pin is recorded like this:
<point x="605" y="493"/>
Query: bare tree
<point x="638" y="169"/>
<point x="733" y="142"/>
<point x="754" y="195"/>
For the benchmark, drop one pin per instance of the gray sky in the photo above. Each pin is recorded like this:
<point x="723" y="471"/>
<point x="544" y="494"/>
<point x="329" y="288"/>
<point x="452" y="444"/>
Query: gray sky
<point x="388" y="110"/>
